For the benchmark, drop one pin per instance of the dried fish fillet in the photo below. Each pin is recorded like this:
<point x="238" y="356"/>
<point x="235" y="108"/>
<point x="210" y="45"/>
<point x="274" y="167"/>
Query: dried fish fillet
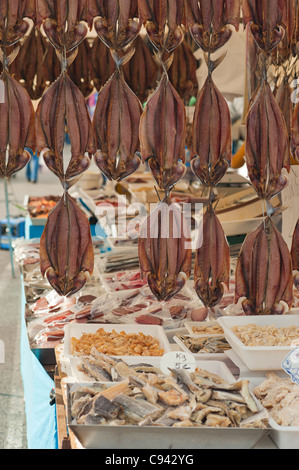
<point x="181" y="399"/>
<point x="66" y="250"/>
<point x="116" y="128"/>
<point x="17" y="126"/>
<point x="165" y="251"/>
<point x="264" y="272"/>
<point x="63" y="107"/>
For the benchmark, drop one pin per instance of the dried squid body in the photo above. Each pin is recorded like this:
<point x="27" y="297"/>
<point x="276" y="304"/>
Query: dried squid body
<point x="212" y="260"/>
<point x="17" y="129"/>
<point x="295" y="255"/>
<point x="264" y="272"/>
<point x="165" y="250"/>
<point x="116" y="126"/>
<point x="267" y="144"/>
<point x="162" y="134"/>
<point x="66" y="250"/>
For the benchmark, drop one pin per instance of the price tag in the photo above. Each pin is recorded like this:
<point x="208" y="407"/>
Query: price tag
<point x="290" y="365"/>
<point x="177" y="360"/>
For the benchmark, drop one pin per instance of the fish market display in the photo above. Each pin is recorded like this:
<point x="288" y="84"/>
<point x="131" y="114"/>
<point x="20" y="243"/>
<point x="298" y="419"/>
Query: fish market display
<point x="264" y="272"/>
<point x="66" y="250"/>
<point x="118" y="110"/>
<point x="295" y="255"/>
<point x="280" y="397"/>
<point x="39" y="207"/>
<point x="117" y="344"/>
<point x="180" y="399"/>
<point x="206" y="345"/>
<point x="164" y="250"/>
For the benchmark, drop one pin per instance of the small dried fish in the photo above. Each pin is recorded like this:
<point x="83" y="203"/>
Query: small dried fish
<point x="205" y="345"/>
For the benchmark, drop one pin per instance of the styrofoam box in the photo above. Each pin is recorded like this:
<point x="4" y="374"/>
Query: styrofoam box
<point x="190" y="324"/>
<point x="76" y="330"/>
<point x="258" y="357"/>
<point x="201" y="356"/>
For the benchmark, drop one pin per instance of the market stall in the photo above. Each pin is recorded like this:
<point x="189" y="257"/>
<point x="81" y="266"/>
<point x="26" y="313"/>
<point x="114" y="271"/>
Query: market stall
<point x="160" y="303"/>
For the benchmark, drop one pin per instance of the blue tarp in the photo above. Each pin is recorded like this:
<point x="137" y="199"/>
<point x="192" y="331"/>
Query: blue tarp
<point x="40" y="415"/>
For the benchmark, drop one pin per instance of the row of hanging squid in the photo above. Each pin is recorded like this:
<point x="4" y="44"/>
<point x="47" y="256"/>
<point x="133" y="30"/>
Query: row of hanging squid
<point x="123" y="133"/>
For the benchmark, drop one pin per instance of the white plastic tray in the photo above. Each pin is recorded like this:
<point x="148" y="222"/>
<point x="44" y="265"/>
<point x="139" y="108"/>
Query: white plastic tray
<point x="76" y="330"/>
<point x="285" y="437"/>
<point x="258" y="357"/>
<point x="201" y="356"/>
<point x="153" y="437"/>
<point x="216" y="367"/>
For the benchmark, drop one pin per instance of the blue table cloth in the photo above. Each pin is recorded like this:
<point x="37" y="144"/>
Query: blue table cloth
<point x="40" y="414"/>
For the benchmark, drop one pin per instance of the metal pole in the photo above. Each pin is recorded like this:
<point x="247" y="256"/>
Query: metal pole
<point x="9" y="227"/>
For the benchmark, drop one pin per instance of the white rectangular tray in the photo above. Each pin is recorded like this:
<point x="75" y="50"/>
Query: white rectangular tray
<point x="76" y="330"/>
<point x="201" y="356"/>
<point x="258" y="357"/>
<point x="155" y="437"/>
<point x="285" y="437"/>
<point x="216" y="367"/>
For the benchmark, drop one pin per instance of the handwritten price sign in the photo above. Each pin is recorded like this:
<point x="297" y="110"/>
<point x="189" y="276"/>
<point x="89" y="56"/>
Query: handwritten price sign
<point x="177" y="360"/>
